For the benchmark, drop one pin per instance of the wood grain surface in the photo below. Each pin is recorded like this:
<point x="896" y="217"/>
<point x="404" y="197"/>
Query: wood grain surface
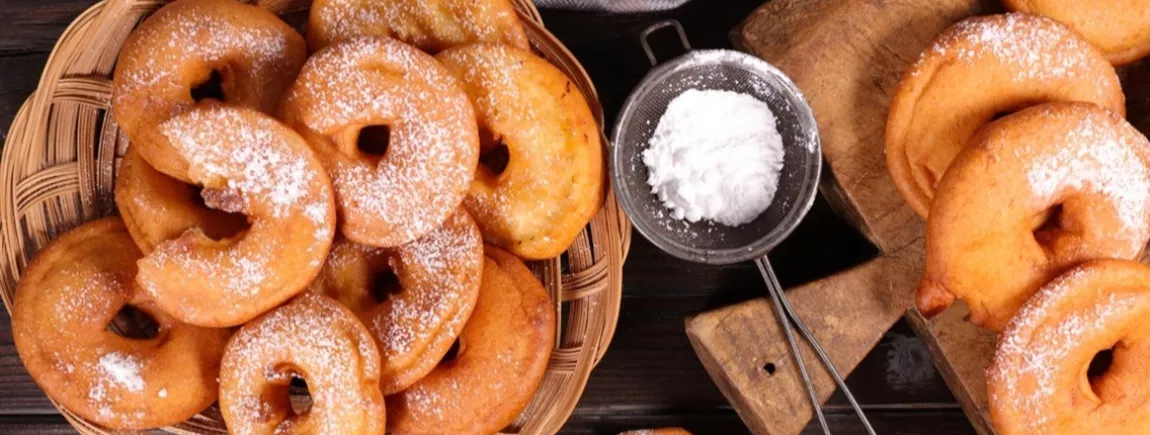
<point x="650" y="377"/>
<point x="745" y="350"/>
<point x="848" y="58"/>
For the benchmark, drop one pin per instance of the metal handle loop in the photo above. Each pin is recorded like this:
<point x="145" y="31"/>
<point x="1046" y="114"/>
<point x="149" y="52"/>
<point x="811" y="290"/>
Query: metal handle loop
<point x="645" y="36"/>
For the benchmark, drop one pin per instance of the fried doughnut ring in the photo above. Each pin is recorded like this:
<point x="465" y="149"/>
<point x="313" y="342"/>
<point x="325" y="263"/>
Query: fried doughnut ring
<point x="64" y="302"/>
<point x="1039" y="381"/>
<point x="179" y="48"/>
<point x="1120" y="28"/>
<point x="433" y="146"/>
<point x="157" y="208"/>
<point x="430" y="25"/>
<point x="1034" y="193"/>
<point x="553" y="181"/>
<point x="503" y="353"/>
<point x="247" y="163"/>
<point x="424" y="310"/>
<point x="313" y="338"/>
<point x="977" y="69"/>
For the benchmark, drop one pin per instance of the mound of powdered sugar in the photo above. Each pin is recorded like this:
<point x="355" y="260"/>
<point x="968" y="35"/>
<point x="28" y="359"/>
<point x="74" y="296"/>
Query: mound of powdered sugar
<point x="715" y="155"/>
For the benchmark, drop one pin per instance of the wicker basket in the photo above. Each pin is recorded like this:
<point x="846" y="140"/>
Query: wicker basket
<point x="59" y="162"/>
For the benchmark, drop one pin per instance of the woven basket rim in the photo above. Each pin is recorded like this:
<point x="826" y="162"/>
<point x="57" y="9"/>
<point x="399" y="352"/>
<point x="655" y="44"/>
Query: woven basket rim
<point x="43" y="180"/>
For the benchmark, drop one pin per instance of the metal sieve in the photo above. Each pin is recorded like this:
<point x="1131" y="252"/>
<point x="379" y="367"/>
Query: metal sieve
<point x="706" y="242"/>
<point x="703" y="241"/>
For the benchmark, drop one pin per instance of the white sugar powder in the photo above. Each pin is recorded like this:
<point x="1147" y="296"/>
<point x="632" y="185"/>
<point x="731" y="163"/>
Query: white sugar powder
<point x="715" y="155"/>
<point x="123" y="370"/>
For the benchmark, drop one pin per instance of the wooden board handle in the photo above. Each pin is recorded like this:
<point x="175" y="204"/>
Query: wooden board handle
<point x="745" y="352"/>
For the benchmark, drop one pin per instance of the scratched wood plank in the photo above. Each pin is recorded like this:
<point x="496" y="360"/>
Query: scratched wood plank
<point x="847" y="57"/>
<point x="745" y="351"/>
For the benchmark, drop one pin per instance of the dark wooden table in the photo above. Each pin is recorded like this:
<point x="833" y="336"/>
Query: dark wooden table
<point x="650" y="376"/>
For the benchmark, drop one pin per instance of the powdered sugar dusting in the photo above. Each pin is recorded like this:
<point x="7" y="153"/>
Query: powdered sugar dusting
<point x="1102" y="156"/>
<point x="326" y="344"/>
<point x="249" y="155"/>
<point x="77" y="356"/>
<point x="432" y="151"/>
<point x="192" y="32"/>
<point x="318" y="212"/>
<point x="501" y="364"/>
<point x="85" y="372"/>
<point x="83" y="282"/>
<point x="116" y="378"/>
<point x="439" y="277"/>
<point x="64" y="366"/>
<point x="554" y="146"/>
<point x="426" y="400"/>
<point x="98" y="397"/>
<point x="1030" y="364"/>
<point x="123" y="369"/>
<point x="1042" y="49"/>
<point x="431" y="25"/>
<point x="265" y="171"/>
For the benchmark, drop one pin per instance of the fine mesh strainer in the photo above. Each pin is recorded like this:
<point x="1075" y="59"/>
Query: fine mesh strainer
<point x="703" y="241"/>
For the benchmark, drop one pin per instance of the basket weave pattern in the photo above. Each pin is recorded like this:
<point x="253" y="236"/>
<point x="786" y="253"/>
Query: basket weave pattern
<point x="59" y="164"/>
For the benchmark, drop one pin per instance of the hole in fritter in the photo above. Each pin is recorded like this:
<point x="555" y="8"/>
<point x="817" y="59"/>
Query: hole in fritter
<point x="1000" y="115"/>
<point x="494" y="153"/>
<point x="384" y="284"/>
<point x="300" y="395"/>
<point x="770" y="368"/>
<point x="452" y="353"/>
<point x="1099" y="366"/>
<point x="372" y="141"/>
<point x="1047" y="224"/>
<point x="135" y="324"/>
<point x="197" y="196"/>
<point x="224" y="224"/>
<point x="211" y="88"/>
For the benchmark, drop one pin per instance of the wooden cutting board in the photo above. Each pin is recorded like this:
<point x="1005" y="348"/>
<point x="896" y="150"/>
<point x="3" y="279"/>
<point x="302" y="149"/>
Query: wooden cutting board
<point x="847" y="56"/>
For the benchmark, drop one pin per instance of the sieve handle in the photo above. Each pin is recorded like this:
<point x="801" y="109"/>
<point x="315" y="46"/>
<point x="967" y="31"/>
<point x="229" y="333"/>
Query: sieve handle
<point x="786" y="316"/>
<point x="646" y="36"/>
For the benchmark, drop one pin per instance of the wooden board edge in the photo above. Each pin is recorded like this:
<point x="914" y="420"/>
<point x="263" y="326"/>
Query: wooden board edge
<point x="883" y="272"/>
<point x="841" y="204"/>
<point x="921" y="326"/>
<point x="692" y="325"/>
<point x="735" y="35"/>
<point x="829" y="185"/>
